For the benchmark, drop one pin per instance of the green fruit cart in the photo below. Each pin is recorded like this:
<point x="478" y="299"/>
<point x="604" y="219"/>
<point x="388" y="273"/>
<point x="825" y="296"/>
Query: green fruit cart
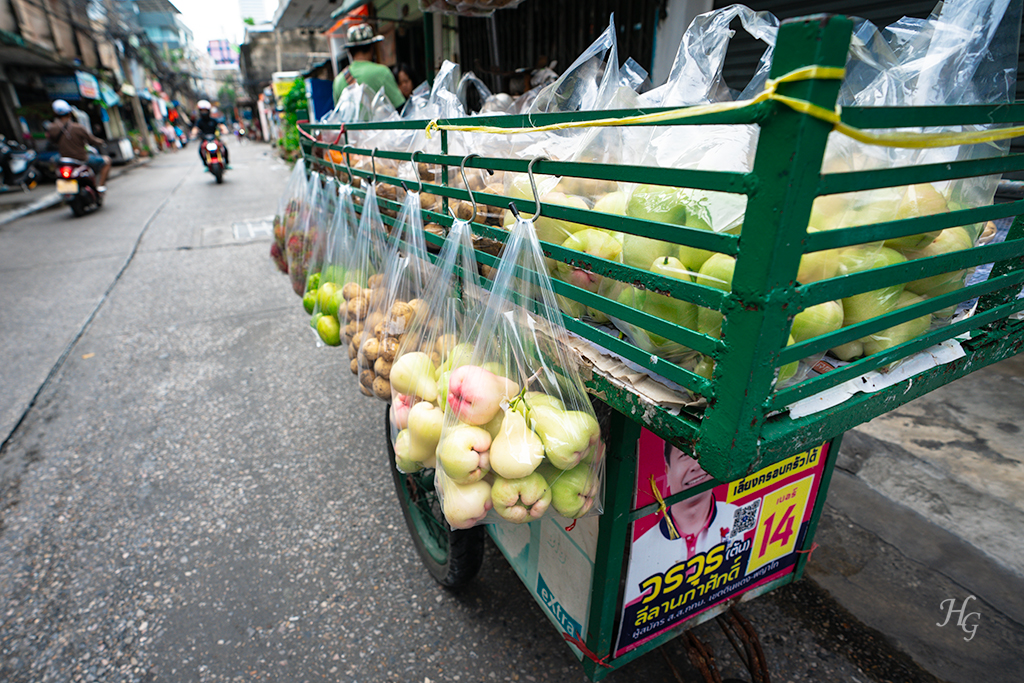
<point x="767" y="449"/>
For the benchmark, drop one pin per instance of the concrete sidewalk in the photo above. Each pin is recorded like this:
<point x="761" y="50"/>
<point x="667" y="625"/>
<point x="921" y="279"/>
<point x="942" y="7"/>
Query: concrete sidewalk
<point x="925" y="515"/>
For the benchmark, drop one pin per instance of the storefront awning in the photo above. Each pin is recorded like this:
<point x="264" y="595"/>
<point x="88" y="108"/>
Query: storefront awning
<point x="313" y="14"/>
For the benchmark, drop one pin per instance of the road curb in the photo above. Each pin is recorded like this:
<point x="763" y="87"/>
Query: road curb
<point x="52" y="199"/>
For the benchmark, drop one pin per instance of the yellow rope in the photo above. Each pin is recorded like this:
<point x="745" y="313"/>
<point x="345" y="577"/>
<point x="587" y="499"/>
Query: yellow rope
<point x="905" y="139"/>
<point x="663" y="510"/>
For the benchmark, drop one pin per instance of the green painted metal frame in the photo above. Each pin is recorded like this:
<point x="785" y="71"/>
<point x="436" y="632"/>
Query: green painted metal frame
<point x="744" y="426"/>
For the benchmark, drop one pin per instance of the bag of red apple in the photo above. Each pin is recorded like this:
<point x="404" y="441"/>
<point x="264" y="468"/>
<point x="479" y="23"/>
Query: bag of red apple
<point x="362" y="289"/>
<point x="520" y="438"/>
<point x="326" y="301"/>
<point x="407" y="270"/>
<point x="297" y="243"/>
<point x="288" y="210"/>
<point x="430" y="349"/>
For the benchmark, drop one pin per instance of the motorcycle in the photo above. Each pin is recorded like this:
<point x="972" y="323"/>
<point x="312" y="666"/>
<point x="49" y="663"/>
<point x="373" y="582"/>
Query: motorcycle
<point x="18" y="165"/>
<point x="213" y="156"/>
<point x="76" y="184"/>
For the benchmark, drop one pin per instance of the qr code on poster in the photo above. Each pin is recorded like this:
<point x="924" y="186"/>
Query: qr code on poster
<point x="745" y="518"/>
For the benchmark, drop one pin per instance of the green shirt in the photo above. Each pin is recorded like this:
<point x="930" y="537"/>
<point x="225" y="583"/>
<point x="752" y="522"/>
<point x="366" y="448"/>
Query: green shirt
<point x="374" y="76"/>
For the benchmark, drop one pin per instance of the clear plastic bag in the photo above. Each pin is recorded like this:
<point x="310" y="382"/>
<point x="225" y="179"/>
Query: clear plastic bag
<point x="362" y="291"/>
<point x="946" y="59"/>
<point x="520" y="438"/>
<point x="289" y="211"/>
<point x="298" y="246"/>
<point x="430" y="350"/>
<point x="407" y="270"/>
<point x="328" y="300"/>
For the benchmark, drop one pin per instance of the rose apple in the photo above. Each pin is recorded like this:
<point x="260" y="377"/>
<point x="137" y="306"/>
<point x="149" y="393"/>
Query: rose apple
<point x="516" y="450"/>
<point x="860" y="307"/>
<point x="464" y="453"/>
<point x="465" y="505"/>
<point x="569" y="436"/>
<point x="475" y="394"/>
<point x="521" y="500"/>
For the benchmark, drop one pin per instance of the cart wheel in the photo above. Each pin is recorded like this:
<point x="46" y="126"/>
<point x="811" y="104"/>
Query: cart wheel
<point x="453" y="556"/>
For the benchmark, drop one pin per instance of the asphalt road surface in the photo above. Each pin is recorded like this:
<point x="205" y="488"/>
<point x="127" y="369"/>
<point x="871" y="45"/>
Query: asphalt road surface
<point x="190" y="490"/>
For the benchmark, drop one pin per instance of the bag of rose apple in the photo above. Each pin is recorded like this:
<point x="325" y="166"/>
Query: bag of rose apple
<point x="326" y="301"/>
<point x="363" y="275"/>
<point x="430" y="349"/>
<point x="520" y="437"/>
<point x="288" y="210"/>
<point x="407" y="270"/>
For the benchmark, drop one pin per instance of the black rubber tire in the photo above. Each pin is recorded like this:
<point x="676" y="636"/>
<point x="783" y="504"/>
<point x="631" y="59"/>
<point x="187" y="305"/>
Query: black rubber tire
<point x="218" y="173"/>
<point x="78" y="206"/>
<point x="452" y="556"/>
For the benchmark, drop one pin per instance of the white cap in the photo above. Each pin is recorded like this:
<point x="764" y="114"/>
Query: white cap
<point x="203" y="104"/>
<point x="61" y="107"/>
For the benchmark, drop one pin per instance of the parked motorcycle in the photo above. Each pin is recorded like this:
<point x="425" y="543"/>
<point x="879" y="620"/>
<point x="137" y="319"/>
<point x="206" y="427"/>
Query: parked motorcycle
<point x="213" y="156"/>
<point x="18" y="165"/>
<point x="76" y="184"/>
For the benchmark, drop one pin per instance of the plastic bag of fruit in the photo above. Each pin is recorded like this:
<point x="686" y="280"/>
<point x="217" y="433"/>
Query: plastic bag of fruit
<point x="289" y="208"/>
<point x="520" y="437"/>
<point x="429" y="350"/>
<point x="323" y="201"/>
<point x="325" y="302"/>
<point x="363" y="276"/>
<point x="407" y="270"/>
<point x="297" y="238"/>
<point x="946" y="59"/>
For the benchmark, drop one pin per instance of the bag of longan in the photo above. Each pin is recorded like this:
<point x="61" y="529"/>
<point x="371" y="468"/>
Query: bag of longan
<point x="407" y="271"/>
<point x="361" y="290"/>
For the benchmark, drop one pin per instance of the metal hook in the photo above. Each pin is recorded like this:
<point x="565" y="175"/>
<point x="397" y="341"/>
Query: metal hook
<point x="465" y="181"/>
<point x="351" y="177"/>
<point x="416" y="171"/>
<point x="533" y="188"/>
<point x="373" y="162"/>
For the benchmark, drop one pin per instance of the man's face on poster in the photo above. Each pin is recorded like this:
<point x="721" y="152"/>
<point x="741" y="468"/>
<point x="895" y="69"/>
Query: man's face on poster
<point x="683" y="471"/>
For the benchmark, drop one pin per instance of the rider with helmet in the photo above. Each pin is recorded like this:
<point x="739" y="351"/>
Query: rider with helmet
<point x="205" y="124"/>
<point x="71" y="137"/>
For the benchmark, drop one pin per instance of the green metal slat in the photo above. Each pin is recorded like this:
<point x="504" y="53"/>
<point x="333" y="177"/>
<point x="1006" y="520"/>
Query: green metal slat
<point x="786" y="164"/>
<point x="816" y="345"/>
<point x="856" y="181"/>
<point x="933" y="116"/>
<point x="784" y="436"/>
<point x="716" y="181"/>
<point x="845" y="237"/>
<point x="790" y="395"/>
<point x="1002" y="268"/>
<point x="907" y="271"/>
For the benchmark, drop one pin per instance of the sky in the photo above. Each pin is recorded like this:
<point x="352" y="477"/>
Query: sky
<point x="214" y="19"/>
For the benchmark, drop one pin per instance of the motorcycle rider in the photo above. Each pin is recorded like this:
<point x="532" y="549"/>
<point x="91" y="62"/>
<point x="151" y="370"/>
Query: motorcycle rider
<point x="205" y="124"/>
<point x="70" y="137"/>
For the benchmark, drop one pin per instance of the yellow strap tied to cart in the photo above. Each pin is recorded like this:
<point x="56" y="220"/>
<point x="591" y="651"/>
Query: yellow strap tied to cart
<point x="663" y="510"/>
<point x="904" y="139"/>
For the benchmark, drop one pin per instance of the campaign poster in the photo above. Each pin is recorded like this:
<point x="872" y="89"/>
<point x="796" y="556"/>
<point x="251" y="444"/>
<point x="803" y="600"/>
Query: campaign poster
<point x="714" y="545"/>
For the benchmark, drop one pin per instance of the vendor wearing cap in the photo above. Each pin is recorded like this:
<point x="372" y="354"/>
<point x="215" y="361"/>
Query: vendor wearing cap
<point x="363" y="69"/>
<point x="71" y="137"/>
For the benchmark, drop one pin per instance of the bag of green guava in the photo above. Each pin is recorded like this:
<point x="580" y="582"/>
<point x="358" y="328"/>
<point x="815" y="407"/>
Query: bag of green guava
<point x="326" y="301"/>
<point x="520" y="438"/>
<point x="430" y="348"/>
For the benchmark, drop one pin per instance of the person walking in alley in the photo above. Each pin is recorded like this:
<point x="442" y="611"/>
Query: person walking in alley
<point x="71" y="138"/>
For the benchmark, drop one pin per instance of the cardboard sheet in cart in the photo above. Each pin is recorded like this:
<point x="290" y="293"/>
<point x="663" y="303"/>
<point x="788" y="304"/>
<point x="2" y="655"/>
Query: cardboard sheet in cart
<point x="556" y="564"/>
<point x="712" y="546"/>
